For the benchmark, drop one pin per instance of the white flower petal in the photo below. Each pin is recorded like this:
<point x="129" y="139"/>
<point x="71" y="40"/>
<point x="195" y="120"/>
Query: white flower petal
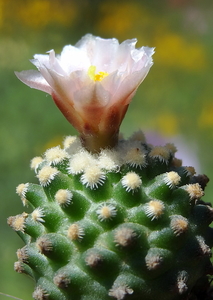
<point x="39" y="59"/>
<point x="55" y="64"/>
<point x="124" y="57"/>
<point x="142" y="58"/>
<point x="128" y="87"/>
<point x="73" y="59"/>
<point x="83" y="96"/>
<point x="35" y="80"/>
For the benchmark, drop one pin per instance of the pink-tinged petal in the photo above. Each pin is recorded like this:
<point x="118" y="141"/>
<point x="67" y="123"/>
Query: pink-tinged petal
<point x="103" y="95"/>
<point x="41" y="59"/>
<point x="35" y="80"/>
<point x="61" y="85"/>
<point x="128" y="87"/>
<point x="84" y="96"/>
<point x="78" y="80"/>
<point x="142" y="58"/>
<point x="66" y="86"/>
<point x="55" y="64"/>
<point x="99" y="51"/>
<point x="99" y="98"/>
<point x="124" y="57"/>
<point x="46" y="75"/>
<point x="103" y="54"/>
<point x="112" y="82"/>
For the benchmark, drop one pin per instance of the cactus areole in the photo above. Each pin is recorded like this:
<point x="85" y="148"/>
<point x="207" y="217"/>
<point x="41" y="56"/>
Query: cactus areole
<point x="111" y="218"/>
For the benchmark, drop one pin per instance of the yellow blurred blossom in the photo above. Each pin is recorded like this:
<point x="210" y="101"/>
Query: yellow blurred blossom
<point x="167" y="123"/>
<point x="122" y="20"/>
<point x="55" y="141"/>
<point x="205" y="119"/>
<point x="37" y="14"/>
<point x="174" y="50"/>
<point x="1" y="13"/>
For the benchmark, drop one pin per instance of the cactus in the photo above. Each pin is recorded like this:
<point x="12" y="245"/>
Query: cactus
<point x="112" y="218"/>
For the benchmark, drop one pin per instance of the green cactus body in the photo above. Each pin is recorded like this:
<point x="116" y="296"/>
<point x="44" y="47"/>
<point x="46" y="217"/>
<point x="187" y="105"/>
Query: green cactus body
<point x="125" y="223"/>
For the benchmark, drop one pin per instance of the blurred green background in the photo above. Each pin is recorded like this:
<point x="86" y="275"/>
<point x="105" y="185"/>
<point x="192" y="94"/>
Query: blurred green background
<point x="175" y="100"/>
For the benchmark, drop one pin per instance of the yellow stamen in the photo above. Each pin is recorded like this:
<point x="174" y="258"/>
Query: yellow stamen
<point x="96" y="77"/>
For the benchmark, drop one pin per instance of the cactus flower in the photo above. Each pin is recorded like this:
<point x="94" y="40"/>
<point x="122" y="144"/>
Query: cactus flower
<point x="92" y="83"/>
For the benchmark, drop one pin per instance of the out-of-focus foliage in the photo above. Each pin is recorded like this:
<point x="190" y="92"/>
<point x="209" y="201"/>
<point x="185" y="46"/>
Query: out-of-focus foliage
<point x="176" y="99"/>
<point x="36" y="14"/>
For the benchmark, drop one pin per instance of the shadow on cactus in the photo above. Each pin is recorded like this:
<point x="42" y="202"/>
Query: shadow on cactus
<point x="112" y="218"/>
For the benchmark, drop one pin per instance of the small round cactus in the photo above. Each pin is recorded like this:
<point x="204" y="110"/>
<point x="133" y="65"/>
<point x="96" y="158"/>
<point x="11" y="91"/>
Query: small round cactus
<point x="125" y="223"/>
<point x="111" y="218"/>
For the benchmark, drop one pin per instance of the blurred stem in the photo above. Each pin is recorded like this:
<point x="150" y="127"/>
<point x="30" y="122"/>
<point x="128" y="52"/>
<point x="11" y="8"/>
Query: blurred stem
<point x="94" y="143"/>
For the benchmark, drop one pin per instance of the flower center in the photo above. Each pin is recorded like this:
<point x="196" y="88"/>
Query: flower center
<point x="96" y="77"/>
